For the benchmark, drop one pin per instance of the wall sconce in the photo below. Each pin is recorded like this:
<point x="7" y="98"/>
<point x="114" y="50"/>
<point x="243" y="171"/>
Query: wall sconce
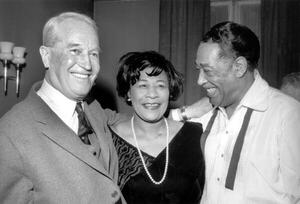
<point x="11" y="55"/>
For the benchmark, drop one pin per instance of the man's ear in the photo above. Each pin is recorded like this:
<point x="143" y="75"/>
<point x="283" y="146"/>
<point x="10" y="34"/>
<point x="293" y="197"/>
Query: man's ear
<point x="240" y="66"/>
<point x="45" y="55"/>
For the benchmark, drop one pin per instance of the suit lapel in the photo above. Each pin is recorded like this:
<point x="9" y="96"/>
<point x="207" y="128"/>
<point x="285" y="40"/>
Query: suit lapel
<point x="54" y="128"/>
<point x="101" y="135"/>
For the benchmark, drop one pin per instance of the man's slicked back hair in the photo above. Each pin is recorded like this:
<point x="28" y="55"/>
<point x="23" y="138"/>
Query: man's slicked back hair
<point x="49" y="32"/>
<point x="235" y="40"/>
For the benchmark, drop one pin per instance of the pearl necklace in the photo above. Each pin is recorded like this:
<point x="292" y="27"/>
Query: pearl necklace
<point x="142" y="158"/>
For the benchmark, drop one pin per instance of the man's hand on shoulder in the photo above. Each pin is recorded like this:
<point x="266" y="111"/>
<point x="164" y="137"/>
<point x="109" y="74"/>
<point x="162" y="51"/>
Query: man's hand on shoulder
<point x="199" y="108"/>
<point x="196" y="110"/>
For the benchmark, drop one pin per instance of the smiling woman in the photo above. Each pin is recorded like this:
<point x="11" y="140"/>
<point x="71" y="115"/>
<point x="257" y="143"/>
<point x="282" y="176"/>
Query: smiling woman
<point x="160" y="160"/>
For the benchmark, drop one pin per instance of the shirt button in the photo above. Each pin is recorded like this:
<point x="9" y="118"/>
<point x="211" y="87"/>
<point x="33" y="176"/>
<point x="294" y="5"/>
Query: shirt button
<point x="222" y="155"/>
<point x="218" y="179"/>
<point x="226" y="132"/>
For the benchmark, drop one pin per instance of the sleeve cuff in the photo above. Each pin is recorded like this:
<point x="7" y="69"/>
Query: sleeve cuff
<point x="175" y="114"/>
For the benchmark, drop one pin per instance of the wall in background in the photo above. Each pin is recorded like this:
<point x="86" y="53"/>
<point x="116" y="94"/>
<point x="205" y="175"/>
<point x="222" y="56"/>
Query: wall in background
<point x="21" y="21"/>
<point x="131" y="25"/>
<point x="124" y="26"/>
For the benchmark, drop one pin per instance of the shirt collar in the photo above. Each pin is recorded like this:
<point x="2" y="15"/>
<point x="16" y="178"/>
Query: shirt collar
<point x="256" y="96"/>
<point x="56" y="100"/>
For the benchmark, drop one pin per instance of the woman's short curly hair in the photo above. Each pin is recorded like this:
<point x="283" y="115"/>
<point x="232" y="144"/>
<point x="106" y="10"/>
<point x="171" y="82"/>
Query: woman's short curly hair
<point x="132" y="63"/>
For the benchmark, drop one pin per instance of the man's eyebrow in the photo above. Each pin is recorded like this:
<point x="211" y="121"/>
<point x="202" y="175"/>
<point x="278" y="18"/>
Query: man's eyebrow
<point x="205" y="65"/>
<point x="73" y="45"/>
<point x="98" y="49"/>
<point x="201" y="65"/>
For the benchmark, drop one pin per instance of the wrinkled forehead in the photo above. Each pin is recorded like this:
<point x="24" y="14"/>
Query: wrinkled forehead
<point x="207" y="51"/>
<point x="72" y="31"/>
<point x="75" y="25"/>
<point x="73" y="21"/>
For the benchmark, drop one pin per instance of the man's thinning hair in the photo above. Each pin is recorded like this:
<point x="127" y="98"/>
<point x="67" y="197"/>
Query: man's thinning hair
<point x="49" y="32"/>
<point x="292" y="79"/>
<point x="235" y="40"/>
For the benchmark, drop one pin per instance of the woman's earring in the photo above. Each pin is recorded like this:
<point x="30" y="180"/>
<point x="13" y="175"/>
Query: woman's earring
<point x="128" y="99"/>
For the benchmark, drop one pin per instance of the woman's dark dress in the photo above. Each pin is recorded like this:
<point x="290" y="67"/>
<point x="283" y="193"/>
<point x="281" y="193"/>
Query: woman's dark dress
<point x="185" y="177"/>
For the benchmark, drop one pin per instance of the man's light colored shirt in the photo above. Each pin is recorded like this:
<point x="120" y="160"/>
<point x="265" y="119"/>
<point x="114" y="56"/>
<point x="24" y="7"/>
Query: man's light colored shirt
<point x="62" y="106"/>
<point x="269" y="166"/>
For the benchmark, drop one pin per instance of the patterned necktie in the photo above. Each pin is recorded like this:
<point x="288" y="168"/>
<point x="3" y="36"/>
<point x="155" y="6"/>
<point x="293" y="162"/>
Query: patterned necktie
<point x="84" y="127"/>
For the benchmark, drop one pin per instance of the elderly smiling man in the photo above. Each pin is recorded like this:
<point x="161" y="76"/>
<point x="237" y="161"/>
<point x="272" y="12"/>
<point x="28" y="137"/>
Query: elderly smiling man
<point x="54" y="146"/>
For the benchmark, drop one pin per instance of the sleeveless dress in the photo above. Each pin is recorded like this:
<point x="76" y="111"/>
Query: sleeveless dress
<point x="185" y="177"/>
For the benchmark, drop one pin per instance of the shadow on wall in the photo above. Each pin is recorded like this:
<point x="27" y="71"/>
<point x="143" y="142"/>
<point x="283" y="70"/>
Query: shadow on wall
<point x="104" y="96"/>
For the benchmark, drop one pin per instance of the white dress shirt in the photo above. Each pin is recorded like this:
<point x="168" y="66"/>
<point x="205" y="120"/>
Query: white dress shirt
<point x="62" y="106"/>
<point x="269" y="167"/>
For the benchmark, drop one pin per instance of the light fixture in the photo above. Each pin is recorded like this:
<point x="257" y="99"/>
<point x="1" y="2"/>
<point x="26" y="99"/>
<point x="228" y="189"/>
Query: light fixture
<point x="9" y="54"/>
